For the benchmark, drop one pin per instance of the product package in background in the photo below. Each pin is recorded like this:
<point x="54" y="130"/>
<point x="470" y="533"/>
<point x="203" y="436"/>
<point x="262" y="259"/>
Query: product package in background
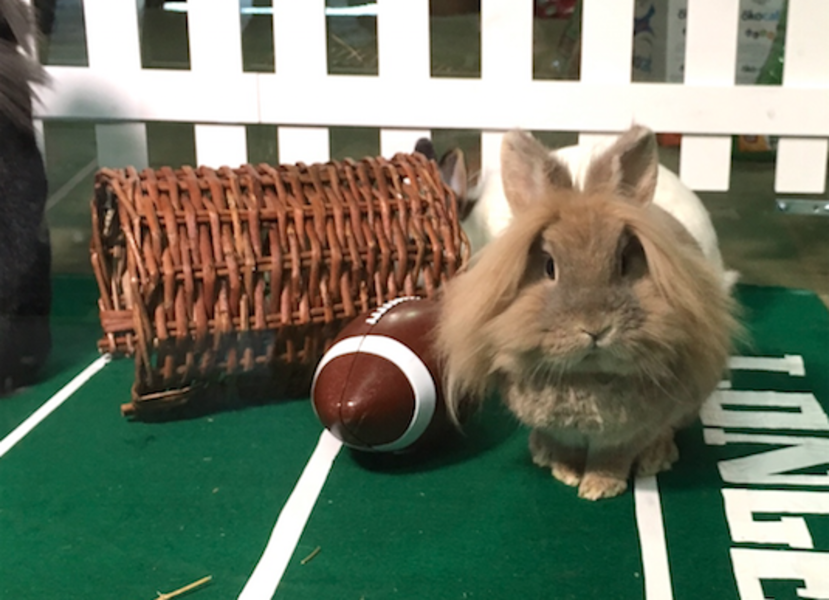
<point x="659" y="37"/>
<point x="763" y="147"/>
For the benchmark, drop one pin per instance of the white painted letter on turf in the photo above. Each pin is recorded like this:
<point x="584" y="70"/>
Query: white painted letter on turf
<point x="741" y="505"/>
<point x="752" y="565"/>
<point x="772" y="467"/>
<point x="762" y="410"/>
<point x="791" y="364"/>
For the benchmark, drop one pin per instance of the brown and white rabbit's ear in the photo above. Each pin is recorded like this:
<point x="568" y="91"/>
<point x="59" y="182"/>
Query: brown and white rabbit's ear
<point x="425" y="147"/>
<point x="629" y="166"/>
<point x="528" y="171"/>
<point x="452" y="167"/>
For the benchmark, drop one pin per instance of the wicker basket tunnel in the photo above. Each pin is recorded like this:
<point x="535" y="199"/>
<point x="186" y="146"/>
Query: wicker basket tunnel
<point x="204" y="272"/>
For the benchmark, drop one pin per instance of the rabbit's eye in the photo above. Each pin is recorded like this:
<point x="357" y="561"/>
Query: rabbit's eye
<point x="633" y="263"/>
<point x="550" y="267"/>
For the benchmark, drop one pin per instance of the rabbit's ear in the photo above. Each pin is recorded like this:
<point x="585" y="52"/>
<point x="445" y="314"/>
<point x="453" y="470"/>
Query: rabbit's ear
<point x="453" y="172"/>
<point x="528" y="170"/>
<point x="629" y="166"/>
<point x="425" y="147"/>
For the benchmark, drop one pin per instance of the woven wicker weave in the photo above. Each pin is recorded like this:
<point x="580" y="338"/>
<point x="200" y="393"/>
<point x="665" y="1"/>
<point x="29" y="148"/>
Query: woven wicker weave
<point x="204" y="272"/>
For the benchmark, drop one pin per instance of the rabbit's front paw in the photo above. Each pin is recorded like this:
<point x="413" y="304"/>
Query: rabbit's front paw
<point x="567" y="474"/>
<point x="657" y="457"/>
<point x="595" y="486"/>
<point x="567" y="464"/>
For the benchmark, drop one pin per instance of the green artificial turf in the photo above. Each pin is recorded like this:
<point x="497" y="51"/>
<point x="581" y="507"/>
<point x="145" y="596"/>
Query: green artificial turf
<point x="93" y="505"/>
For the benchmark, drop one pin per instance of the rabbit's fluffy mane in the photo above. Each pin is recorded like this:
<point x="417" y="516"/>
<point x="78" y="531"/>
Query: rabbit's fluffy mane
<point x="17" y="70"/>
<point x="681" y="276"/>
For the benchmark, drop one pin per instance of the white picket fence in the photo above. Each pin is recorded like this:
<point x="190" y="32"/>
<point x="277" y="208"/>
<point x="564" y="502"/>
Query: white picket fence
<point x="303" y="100"/>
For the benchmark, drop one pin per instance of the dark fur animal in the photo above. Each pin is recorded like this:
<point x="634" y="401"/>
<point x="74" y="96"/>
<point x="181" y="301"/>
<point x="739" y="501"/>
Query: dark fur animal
<point x="25" y="254"/>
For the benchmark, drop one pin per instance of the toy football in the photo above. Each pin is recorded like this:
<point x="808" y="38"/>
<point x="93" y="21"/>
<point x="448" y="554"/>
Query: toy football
<point x="378" y="386"/>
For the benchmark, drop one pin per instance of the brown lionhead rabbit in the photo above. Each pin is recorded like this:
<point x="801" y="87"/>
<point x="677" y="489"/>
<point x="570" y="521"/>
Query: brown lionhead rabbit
<point x="595" y="314"/>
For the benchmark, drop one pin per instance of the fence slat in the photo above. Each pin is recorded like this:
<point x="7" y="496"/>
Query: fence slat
<point x="403" y="55"/>
<point x="403" y="41"/>
<point x="507" y="40"/>
<point x="606" y="44"/>
<point x="606" y="48"/>
<point x="148" y="95"/>
<point x="220" y="145"/>
<point x="301" y="53"/>
<point x="705" y="162"/>
<point x="710" y="59"/>
<point x="711" y="42"/>
<point x="801" y="166"/>
<point x="303" y="144"/>
<point x="215" y="38"/>
<point x="344" y="101"/>
<point x="112" y="34"/>
<point x="299" y="39"/>
<point x="393" y="141"/>
<point x="113" y="46"/>
<point x="801" y="163"/>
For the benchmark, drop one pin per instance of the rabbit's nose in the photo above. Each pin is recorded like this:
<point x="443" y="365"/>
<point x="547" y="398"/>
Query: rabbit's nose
<point x="596" y="334"/>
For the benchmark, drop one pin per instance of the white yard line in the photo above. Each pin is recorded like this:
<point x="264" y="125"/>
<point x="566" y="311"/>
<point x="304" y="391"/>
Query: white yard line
<point x="291" y="522"/>
<point x="50" y="405"/>
<point x="657" y="571"/>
